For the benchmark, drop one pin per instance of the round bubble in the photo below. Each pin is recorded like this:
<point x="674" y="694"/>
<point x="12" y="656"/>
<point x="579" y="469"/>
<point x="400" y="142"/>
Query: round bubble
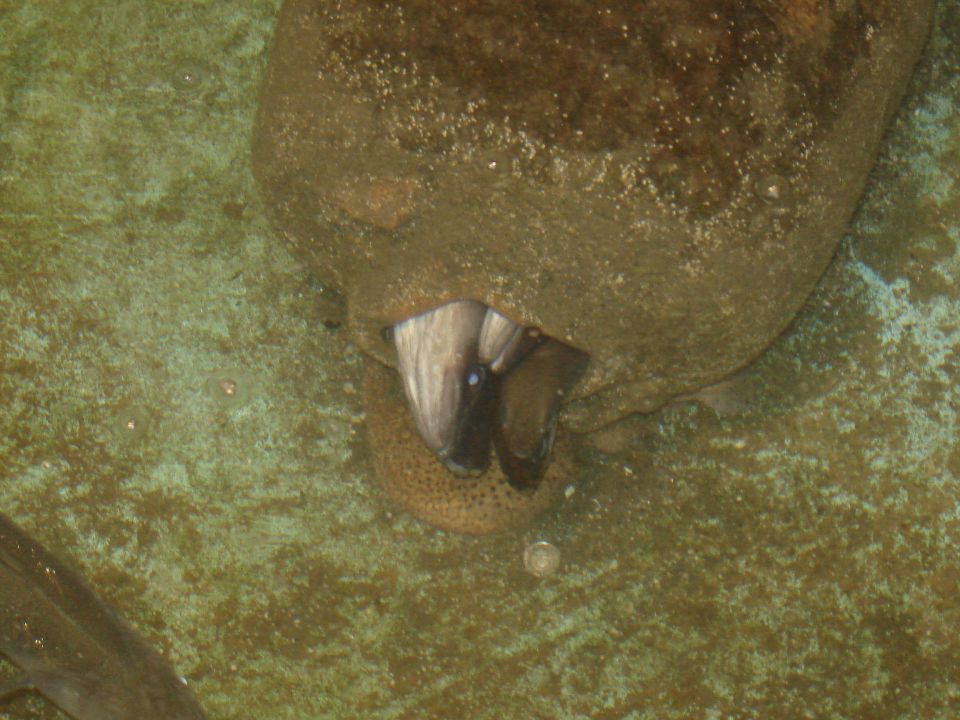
<point x="541" y="558"/>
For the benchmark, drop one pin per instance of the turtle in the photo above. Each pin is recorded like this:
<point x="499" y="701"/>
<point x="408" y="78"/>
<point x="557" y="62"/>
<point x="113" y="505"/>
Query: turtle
<point x="547" y="214"/>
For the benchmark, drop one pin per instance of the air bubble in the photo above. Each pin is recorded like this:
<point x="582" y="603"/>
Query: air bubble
<point x="188" y="77"/>
<point x="772" y="188"/>
<point x="131" y="422"/>
<point x="229" y="388"/>
<point x="541" y="558"/>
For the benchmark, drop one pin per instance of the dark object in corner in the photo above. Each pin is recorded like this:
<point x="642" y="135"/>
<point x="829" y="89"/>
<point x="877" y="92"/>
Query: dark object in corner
<point x="74" y="648"/>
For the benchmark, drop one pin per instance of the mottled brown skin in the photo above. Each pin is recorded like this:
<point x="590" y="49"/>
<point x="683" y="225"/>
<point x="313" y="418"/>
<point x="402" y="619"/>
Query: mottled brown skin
<point x="414" y="478"/>
<point x="593" y="169"/>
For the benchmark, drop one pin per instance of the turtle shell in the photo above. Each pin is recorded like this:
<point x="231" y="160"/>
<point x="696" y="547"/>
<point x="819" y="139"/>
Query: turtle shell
<point x="658" y="183"/>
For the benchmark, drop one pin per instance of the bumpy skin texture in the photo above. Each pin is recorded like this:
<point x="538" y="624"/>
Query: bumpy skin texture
<point x="597" y="170"/>
<point x="414" y="479"/>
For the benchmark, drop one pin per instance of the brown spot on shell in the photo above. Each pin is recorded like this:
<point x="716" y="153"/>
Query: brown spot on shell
<point x="418" y="482"/>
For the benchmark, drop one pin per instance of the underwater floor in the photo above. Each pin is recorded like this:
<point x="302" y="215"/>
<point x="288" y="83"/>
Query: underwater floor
<point x="796" y="555"/>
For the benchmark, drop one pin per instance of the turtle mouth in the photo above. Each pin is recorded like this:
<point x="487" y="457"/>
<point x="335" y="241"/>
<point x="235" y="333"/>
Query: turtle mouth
<point x="479" y="383"/>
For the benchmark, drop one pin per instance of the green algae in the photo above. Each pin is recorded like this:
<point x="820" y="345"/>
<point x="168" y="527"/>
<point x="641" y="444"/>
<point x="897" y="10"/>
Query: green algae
<point x="795" y="559"/>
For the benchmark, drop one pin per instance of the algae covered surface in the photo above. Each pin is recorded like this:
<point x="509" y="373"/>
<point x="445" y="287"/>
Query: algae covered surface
<point x="180" y="417"/>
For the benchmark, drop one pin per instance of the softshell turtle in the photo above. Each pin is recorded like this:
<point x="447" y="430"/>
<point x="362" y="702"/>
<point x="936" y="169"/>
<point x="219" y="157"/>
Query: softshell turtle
<point x="504" y="189"/>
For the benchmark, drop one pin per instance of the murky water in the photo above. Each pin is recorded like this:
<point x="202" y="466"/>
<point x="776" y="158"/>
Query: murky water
<point x="792" y="552"/>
